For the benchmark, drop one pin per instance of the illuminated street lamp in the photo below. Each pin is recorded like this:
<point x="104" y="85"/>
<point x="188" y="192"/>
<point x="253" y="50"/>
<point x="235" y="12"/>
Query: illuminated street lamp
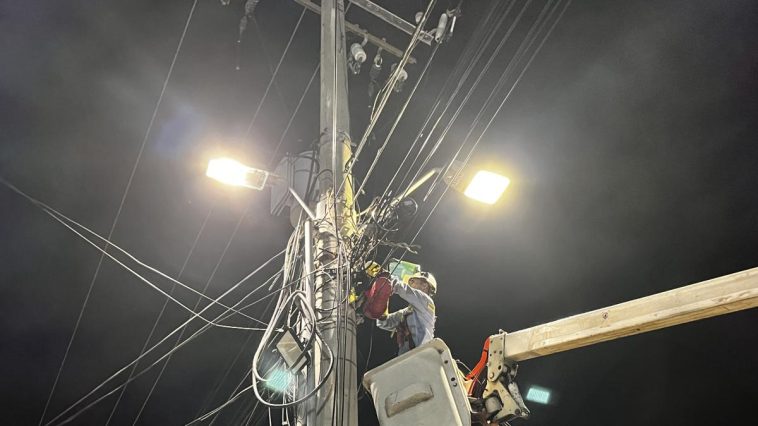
<point x="232" y="172"/>
<point x="480" y="185"/>
<point x="486" y="187"/>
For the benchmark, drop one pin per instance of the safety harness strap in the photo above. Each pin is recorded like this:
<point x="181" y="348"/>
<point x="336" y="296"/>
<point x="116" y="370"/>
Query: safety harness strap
<point x="403" y="332"/>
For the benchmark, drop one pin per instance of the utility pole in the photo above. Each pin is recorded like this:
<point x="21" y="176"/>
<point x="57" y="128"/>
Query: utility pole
<point x="330" y="233"/>
<point x="336" y="402"/>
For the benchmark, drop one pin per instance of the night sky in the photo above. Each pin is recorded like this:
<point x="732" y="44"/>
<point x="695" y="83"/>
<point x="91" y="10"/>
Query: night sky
<point x="630" y="143"/>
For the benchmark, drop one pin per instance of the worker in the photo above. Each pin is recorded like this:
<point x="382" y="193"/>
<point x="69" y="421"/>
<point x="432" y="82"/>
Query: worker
<point x="414" y="325"/>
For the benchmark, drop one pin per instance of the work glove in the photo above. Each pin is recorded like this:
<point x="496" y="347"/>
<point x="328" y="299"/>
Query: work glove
<point x="372" y="269"/>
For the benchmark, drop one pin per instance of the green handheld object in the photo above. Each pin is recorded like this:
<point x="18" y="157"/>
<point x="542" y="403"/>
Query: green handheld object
<point x="403" y="270"/>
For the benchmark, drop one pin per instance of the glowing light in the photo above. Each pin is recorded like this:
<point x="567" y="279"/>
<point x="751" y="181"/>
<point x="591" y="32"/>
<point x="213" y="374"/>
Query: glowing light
<point x="234" y="173"/>
<point x="538" y="395"/>
<point x="486" y="187"/>
<point x="279" y="380"/>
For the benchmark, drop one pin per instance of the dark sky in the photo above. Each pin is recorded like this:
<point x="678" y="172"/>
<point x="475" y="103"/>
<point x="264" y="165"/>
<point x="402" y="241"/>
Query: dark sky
<point x="630" y="143"/>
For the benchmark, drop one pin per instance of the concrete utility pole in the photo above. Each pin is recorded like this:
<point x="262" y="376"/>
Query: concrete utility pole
<point x="336" y="402"/>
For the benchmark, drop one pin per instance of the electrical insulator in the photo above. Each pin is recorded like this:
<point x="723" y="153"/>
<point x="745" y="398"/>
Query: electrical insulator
<point x="356" y="50"/>
<point x="401" y="78"/>
<point x="225" y="2"/>
<point x="374" y="72"/>
<point x="418" y="16"/>
<point x="353" y="65"/>
<point x="356" y="58"/>
<point x="441" y="27"/>
<point x="376" y="67"/>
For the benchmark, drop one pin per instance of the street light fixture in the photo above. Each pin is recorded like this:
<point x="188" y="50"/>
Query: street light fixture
<point x="486" y="187"/>
<point x="482" y="185"/>
<point x="231" y="172"/>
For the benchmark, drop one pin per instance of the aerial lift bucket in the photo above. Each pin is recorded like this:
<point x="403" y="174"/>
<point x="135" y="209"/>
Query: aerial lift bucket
<point x="422" y="387"/>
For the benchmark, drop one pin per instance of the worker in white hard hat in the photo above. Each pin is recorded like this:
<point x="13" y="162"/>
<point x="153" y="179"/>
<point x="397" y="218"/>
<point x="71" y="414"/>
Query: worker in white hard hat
<point x="414" y="325"/>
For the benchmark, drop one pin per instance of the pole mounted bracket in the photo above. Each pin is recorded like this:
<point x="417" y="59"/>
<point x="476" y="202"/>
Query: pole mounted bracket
<point x="360" y="32"/>
<point x="501" y="396"/>
<point x="392" y="19"/>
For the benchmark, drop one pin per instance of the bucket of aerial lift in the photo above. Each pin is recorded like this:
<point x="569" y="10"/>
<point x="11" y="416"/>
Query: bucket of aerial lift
<point x="422" y="387"/>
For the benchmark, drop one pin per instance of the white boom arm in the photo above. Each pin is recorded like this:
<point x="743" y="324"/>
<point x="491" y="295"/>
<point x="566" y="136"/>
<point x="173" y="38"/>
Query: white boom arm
<point x="717" y="296"/>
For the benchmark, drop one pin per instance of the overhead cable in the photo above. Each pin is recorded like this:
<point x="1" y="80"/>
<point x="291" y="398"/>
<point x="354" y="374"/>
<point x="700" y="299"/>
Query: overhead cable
<point x="165" y="338"/>
<point x="384" y="94"/>
<point x="197" y="333"/>
<point x="161" y="312"/>
<point x="471" y="90"/>
<point x="120" y="208"/>
<point x="62" y="218"/>
<point x="505" y="98"/>
<point x="399" y="116"/>
<point x="220" y="381"/>
<point x="543" y="18"/>
<point x="148" y="282"/>
<point x="273" y="76"/>
<point x="474" y="50"/>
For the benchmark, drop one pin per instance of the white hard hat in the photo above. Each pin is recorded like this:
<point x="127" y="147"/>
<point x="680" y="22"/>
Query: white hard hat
<point x="429" y="278"/>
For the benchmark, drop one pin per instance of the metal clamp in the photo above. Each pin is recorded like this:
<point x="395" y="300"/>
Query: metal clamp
<point x="501" y="396"/>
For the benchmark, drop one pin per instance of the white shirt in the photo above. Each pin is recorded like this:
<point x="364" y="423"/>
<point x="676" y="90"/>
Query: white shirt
<point x="419" y="315"/>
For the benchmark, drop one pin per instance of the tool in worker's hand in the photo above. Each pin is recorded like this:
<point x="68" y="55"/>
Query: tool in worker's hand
<point x="372" y="269"/>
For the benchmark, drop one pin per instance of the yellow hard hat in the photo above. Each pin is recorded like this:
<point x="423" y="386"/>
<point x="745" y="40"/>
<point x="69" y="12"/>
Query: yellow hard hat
<point x="429" y="278"/>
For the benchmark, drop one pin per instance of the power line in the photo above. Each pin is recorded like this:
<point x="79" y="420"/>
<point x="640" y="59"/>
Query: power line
<point x="475" y="48"/>
<point x="477" y="45"/>
<point x="252" y="121"/>
<point x="62" y="218"/>
<point x="526" y="43"/>
<point x="505" y="98"/>
<point x="118" y="212"/>
<point x="531" y="36"/>
<point x="197" y="304"/>
<point x="197" y="333"/>
<point x="340" y="260"/>
<point x="384" y="94"/>
<point x="273" y="76"/>
<point x="133" y="272"/>
<point x="294" y="113"/>
<point x="163" y="309"/>
<point x="222" y="406"/>
<point x="237" y="305"/>
<point x="471" y="90"/>
<point x="239" y="222"/>
<point x="381" y="149"/>
<point x="219" y="382"/>
<point x="272" y="81"/>
<point x="271" y="68"/>
<point x="176" y="330"/>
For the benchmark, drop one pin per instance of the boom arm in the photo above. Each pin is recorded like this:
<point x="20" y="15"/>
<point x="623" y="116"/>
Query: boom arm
<point x="500" y="399"/>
